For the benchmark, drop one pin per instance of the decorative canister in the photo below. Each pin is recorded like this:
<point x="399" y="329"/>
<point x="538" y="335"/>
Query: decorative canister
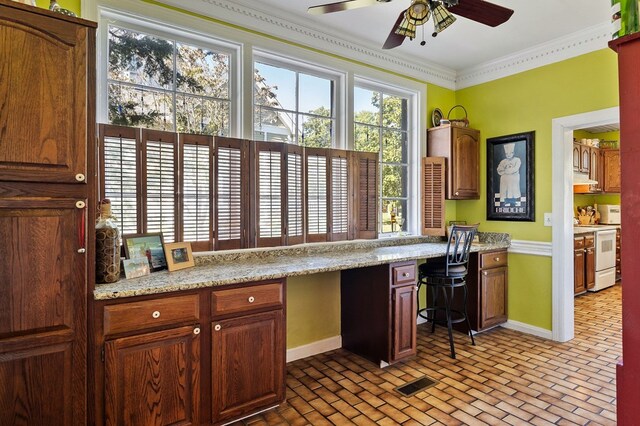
<point x="107" y="245"/>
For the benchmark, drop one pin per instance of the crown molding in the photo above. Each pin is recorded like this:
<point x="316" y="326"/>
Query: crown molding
<point x="575" y="44"/>
<point x="290" y="28"/>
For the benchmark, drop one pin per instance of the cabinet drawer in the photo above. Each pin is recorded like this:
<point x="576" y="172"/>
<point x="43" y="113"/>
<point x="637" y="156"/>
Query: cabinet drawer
<point x="150" y="313"/>
<point x="224" y="302"/>
<point x="578" y="243"/>
<point x="589" y="240"/>
<point x="403" y="274"/>
<point x="493" y="259"/>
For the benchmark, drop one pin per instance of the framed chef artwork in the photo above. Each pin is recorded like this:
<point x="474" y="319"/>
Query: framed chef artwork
<point x="510" y="177"/>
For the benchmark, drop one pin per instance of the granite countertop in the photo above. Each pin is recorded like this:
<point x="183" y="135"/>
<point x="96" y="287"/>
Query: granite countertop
<point x="240" y="266"/>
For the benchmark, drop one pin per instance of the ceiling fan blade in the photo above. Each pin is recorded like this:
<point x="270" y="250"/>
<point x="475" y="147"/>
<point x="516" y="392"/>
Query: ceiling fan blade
<point x="394" y="40"/>
<point x="482" y="11"/>
<point x="340" y="6"/>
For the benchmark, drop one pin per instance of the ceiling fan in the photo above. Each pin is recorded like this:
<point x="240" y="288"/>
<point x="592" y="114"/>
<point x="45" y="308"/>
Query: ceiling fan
<point x="420" y="11"/>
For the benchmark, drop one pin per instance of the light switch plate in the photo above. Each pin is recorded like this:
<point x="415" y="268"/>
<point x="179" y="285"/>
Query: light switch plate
<point x="547" y="219"/>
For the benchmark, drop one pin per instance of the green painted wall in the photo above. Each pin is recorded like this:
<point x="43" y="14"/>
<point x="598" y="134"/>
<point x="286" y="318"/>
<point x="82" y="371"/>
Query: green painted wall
<point x="72" y="5"/>
<point x="524" y="102"/>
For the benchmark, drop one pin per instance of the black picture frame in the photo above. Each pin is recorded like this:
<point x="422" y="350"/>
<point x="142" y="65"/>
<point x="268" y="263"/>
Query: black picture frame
<point x="152" y="241"/>
<point x="510" y="177"/>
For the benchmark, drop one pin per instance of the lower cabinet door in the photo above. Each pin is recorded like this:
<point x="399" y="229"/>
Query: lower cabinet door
<point x="590" y="268"/>
<point x="578" y="272"/>
<point x="404" y="322"/>
<point x="153" y="378"/>
<point x="493" y="294"/>
<point x="248" y="366"/>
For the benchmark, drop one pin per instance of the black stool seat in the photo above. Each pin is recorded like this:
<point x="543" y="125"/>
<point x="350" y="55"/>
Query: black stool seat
<point x="444" y="276"/>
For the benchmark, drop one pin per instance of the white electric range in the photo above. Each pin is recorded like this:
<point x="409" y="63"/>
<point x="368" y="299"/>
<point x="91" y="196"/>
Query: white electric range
<point x="605" y="254"/>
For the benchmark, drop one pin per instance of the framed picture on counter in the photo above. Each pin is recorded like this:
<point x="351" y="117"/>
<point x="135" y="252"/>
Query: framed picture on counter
<point x="149" y="246"/>
<point x="179" y="256"/>
<point x="510" y="177"/>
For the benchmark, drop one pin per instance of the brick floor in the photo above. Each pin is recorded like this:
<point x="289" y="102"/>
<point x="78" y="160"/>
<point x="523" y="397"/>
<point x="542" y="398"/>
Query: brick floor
<point x="507" y="378"/>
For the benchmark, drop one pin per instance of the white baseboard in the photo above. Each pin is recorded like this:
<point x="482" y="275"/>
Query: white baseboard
<point x="529" y="329"/>
<point x="314" y="348"/>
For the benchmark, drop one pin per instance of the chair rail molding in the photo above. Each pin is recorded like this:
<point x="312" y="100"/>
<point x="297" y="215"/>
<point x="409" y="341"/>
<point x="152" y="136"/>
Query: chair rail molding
<point x="536" y="248"/>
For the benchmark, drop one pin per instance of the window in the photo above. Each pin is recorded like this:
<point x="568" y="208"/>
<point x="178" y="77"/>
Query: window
<point x="165" y="84"/>
<point x="381" y="125"/>
<point x="293" y="106"/>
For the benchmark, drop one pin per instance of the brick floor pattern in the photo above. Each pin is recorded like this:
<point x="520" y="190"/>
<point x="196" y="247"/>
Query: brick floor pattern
<point x="508" y="378"/>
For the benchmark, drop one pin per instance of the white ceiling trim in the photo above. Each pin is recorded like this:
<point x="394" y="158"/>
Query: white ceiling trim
<point x="560" y="49"/>
<point x="289" y="28"/>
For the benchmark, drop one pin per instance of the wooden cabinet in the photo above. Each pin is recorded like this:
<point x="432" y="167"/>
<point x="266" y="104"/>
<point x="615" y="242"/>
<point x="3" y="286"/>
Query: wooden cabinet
<point x="247" y="350"/>
<point x="584" y="266"/>
<point x="588" y="160"/>
<point x="595" y="171"/>
<point x="487" y="284"/>
<point x="204" y="357"/>
<point x="153" y="378"/>
<point x="461" y="148"/>
<point x="611" y="181"/>
<point x="380" y="326"/>
<point x="46" y="202"/>
<point x="577" y="158"/>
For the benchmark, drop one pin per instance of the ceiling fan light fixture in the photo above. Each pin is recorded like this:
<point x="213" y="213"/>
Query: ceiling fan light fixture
<point x="406" y="28"/>
<point x="419" y="12"/>
<point x="442" y="19"/>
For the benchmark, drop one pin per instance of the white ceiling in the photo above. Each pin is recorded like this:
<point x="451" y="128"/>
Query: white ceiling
<point x="466" y="44"/>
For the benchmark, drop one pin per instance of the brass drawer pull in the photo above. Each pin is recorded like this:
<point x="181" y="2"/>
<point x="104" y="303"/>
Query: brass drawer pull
<point x="251" y="299"/>
<point x="497" y="259"/>
<point x="156" y="314"/>
<point x="405" y="274"/>
<point x="217" y="327"/>
<point x="80" y="177"/>
<point x="196" y="331"/>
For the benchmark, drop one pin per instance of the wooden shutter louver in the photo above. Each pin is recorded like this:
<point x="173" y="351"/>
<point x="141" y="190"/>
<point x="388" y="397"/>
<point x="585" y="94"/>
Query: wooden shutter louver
<point x="197" y="190"/>
<point x="119" y="148"/>
<point x="295" y="195"/>
<point x="317" y="207"/>
<point x="160" y="183"/>
<point x="339" y="212"/>
<point x="232" y="193"/>
<point x="270" y="188"/>
<point x="365" y="205"/>
<point x="433" y="188"/>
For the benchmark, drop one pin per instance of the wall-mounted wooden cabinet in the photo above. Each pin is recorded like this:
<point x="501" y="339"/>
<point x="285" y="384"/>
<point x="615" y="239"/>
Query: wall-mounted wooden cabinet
<point x="611" y="181"/>
<point x="461" y="148"/>
<point x="601" y="165"/>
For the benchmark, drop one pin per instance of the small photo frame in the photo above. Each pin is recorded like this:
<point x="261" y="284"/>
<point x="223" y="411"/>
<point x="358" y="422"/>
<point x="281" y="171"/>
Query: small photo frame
<point x="179" y="256"/>
<point x="149" y="246"/>
<point x="136" y="267"/>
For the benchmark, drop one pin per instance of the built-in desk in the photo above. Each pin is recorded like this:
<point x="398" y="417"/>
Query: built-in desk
<point x="213" y="336"/>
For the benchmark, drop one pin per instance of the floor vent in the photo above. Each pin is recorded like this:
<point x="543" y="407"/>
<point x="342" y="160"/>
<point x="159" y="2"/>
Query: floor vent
<point x="415" y="386"/>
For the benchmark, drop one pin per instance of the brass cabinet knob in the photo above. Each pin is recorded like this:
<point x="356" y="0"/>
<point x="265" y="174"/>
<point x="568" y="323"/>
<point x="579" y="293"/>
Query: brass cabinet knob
<point x="457" y="193"/>
<point x="405" y="274"/>
<point x="82" y="250"/>
<point x="497" y="259"/>
<point x="80" y="177"/>
<point x="196" y="330"/>
<point x="217" y="327"/>
<point x="251" y="299"/>
<point x="156" y="314"/>
<point x="80" y="204"/>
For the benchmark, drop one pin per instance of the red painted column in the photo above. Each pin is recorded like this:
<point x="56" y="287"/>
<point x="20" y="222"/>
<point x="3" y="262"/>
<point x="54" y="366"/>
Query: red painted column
<point x="628" y="372"/>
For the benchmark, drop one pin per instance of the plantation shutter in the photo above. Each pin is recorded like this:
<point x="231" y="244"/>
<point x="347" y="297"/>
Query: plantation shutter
<point x="317" y="175"/>
<point x="432" y="183"/>
<point x="269" y="162"/>
<point x="196" y="181"/>
<point x="295" y="195"/>
<point x="365" y="194"/>
<point x="232" y="193"/>
<point x="339" y="211"/>
<point x="160" y="183"/>
<point x="119" y="175"/>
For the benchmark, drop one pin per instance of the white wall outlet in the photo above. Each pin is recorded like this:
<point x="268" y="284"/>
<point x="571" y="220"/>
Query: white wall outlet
<point x="547" y="219"/>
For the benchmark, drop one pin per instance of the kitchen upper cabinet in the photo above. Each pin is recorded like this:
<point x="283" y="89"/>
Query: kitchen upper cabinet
<point x="595" y="171"/>
<point x="46" y="68"/>
<point x="382" y="326"/>
<point x="611" y="181"/>
<point x="461" y="148"/>
<point x="576" y="157"/>
<point x="153" y="378"/>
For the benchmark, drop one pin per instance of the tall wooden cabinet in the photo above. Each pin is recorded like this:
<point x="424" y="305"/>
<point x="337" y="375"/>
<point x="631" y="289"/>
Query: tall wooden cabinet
<point x="461" y="148"/>
<point x="46" y="207"/>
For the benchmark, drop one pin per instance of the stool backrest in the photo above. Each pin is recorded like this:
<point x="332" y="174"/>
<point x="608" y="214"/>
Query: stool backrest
<point x="459" y="245"/>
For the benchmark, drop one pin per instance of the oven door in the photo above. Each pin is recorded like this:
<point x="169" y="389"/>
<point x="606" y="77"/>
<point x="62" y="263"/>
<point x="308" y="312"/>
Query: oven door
<point x="605" y="249"/>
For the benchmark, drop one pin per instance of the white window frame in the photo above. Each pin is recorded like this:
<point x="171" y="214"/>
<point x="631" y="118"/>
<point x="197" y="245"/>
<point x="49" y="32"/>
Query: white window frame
<point x="316" y="70"/>
<point x="413" y="150"/>
<point x="145" y="25"/>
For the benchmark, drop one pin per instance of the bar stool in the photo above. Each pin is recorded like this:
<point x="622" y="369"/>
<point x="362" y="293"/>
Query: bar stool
<point x="448" y="274"/>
